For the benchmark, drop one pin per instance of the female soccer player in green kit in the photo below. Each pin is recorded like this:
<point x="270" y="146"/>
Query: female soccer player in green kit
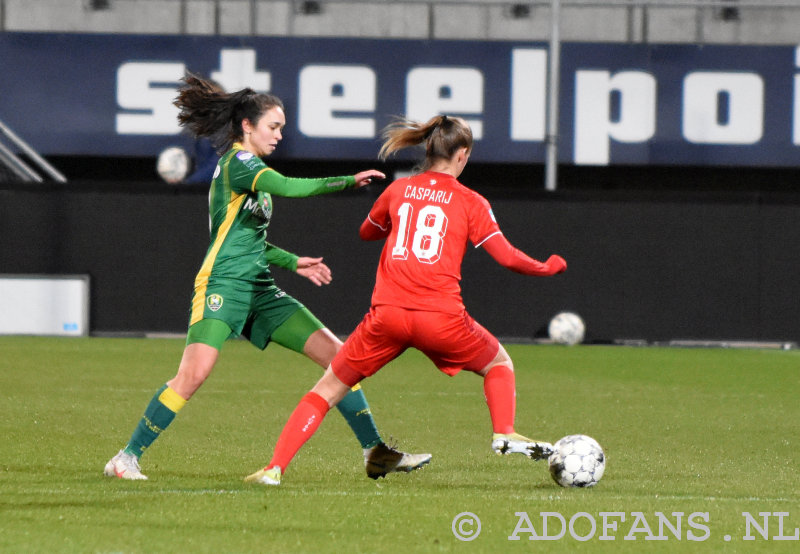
<point x="234" y="292"/>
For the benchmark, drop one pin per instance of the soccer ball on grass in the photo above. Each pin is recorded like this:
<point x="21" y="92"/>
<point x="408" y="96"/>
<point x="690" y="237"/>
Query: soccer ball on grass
<point x="566" y="328"/>
<point x="577" y="461"/>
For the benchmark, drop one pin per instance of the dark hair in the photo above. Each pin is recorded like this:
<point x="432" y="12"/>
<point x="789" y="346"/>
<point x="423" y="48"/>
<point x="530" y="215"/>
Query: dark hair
<point x="206" y="110"/>
<point x="442" y="136"/>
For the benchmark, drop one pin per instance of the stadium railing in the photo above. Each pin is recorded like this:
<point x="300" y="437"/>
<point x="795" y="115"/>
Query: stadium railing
<point x="12" y="166"/>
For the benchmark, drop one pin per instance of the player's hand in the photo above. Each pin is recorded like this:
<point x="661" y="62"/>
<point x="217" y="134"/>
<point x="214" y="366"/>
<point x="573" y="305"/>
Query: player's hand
<point x="365" y="177"/>
<point x="557" y="264"/>
<point x="314" y="270"/>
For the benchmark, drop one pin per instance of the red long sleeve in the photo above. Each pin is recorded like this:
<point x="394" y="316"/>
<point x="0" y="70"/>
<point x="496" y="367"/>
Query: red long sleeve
<point x="514" y="259"/>
<point x="372" y="231"/>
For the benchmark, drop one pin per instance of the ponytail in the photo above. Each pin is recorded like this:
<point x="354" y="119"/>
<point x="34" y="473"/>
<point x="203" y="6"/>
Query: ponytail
<point x="442" y="137"/>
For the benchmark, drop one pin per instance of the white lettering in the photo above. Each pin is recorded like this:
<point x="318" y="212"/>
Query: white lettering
<point x="431" y="195"/>
<point x="723" y="108"/>
<point x="670" y="527"/>
<point x="528" y="94"/>
<point x="780" y="536"/>
<point x="592" y="530"/>
<point x="663" y="521"/>
<point x="640" y="525"/>
<point x="610" y="525"/>
<point x="763" y="530"/>
<point x="313" y="417"/>
<point x="237" y="70"/>
<point x="560" y="518"/>
<point x="326" y="91"/>
<point x="636" y="121"/>
<point x="699" y="526"/>
<point x="445" y="90"/>
<point x="750" y="520"/>
<point x="154" y="112"/>
<point x="522" y="517"/>
<point x="341" y="102"/>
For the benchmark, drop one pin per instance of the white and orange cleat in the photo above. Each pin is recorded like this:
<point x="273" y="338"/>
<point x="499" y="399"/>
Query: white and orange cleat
<point x="124" y="466"/>
<point x="271" y="476"/>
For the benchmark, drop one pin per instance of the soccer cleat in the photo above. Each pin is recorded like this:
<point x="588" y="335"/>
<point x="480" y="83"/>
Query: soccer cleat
<point x="271" y="476"/>
<point x="382" y="459"/>
<point x="124" y="466"/>
<point x="514" y="443"/>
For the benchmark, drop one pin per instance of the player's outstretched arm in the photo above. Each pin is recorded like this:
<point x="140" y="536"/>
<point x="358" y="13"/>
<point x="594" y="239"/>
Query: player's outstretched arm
<point x="365" y="177"/>
<point x="280" y="257"/>
<point x="514" y="259"/>
<point x="314" y="270"/>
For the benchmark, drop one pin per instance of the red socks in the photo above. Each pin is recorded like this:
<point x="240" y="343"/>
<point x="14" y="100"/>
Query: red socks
<point x="304" y="421"/>
<point x="501" y="396"/>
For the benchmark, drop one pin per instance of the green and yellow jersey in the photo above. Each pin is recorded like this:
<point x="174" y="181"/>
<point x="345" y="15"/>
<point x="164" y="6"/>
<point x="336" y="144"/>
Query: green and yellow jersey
<point x="240" y="209"/>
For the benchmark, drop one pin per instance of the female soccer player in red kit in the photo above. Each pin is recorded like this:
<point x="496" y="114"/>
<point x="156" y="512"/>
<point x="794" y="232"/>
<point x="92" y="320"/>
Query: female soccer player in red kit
<point x="426" y="220"/>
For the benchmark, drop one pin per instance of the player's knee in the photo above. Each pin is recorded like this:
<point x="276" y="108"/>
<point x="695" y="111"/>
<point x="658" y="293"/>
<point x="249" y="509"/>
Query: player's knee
<point x="185" y="385"/>
<point x="189" y="378"/>
<point x="503" y="358"/>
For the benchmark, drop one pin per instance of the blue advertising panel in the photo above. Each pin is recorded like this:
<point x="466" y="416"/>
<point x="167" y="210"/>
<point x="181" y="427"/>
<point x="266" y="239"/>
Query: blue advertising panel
<point x="111" y="95"/>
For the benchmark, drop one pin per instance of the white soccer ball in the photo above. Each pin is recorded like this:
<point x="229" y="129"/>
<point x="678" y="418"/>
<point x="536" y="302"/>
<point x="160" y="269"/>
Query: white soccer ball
<point x="173" y="164"/>
<point x="567" y="328"/>
<point x="577" y="461"/>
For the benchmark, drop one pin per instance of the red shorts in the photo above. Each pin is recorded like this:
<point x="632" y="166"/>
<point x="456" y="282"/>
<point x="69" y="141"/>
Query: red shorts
<point x="452" y="341"/>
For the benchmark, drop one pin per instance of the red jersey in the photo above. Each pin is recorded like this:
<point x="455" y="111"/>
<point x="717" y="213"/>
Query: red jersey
<point x="429" y="219"/>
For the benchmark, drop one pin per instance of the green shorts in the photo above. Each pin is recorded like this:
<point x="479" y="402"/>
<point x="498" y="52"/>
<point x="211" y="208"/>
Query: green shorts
<point x="261" y="317"/>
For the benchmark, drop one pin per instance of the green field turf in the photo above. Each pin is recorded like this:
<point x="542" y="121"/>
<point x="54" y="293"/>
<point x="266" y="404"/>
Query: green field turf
<point x="709" y="433"/>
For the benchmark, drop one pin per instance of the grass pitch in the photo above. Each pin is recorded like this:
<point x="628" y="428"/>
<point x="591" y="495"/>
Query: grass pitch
<point x="695" y="439"/>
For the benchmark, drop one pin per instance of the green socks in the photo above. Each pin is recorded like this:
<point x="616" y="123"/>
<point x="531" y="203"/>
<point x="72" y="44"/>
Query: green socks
<point x="355" y="409"/>
<point x="159" y="414"/>
<point x="166" y="403"/>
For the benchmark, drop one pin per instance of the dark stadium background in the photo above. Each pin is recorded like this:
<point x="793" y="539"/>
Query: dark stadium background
<point x="655" y="252"/>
